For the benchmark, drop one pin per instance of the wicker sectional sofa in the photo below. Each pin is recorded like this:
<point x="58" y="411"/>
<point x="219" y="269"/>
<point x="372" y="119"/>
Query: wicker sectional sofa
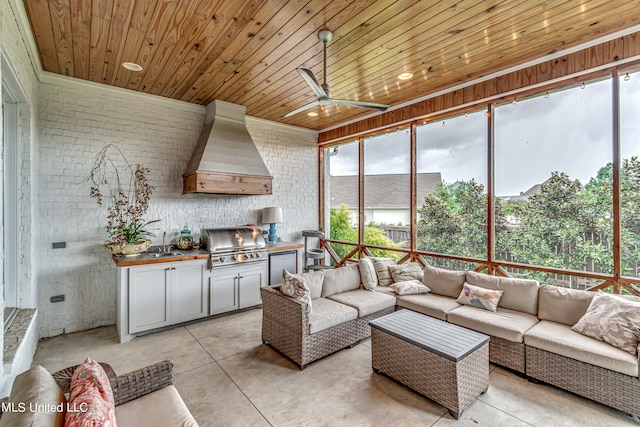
<point x="530" y="331"/>
<point x="531" y="334"/>
<point x="339" y="318"/>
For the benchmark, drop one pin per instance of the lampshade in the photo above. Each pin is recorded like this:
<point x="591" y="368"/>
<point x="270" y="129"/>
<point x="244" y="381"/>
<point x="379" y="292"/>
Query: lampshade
<point x="272" y="215"/>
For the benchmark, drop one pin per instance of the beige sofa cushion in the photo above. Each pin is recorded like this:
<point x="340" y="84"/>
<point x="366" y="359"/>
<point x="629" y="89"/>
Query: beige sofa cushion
<point x="563" y="305"/>
<point x="508" y="324"/>
<point x="560" y="339"/>
<point x="519" y="294"/>
<point x="313" y="280"/>
<point x="163" y="407"/>
<point x="366" y="302"/>
<point x="444" y="282"/>
<point x="368" y="274"/>
<point x="430" y="304"/>
<point x="327" y="313"/>
<point x="34" y="388"/>
<point x="341" y="279"/>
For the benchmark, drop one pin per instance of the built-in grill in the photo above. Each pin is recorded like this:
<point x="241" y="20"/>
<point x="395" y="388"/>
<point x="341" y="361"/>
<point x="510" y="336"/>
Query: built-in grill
<point x="233" y="245"/>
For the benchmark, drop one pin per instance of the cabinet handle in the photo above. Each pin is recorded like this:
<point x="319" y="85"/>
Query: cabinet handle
<point x="240" y="277"/>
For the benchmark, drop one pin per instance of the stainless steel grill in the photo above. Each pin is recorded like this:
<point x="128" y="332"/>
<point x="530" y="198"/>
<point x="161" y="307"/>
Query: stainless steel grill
<point x="233" y="245"/>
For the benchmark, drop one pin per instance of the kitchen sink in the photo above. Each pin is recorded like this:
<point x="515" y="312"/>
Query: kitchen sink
<point x="164" y="254"/>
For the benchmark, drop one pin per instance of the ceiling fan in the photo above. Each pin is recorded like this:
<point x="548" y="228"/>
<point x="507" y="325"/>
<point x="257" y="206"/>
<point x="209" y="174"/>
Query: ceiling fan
<point x="322" y="90"/>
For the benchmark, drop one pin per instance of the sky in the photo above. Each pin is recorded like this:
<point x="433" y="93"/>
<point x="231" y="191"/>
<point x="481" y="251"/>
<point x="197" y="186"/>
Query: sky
<point x="568" y="131"/>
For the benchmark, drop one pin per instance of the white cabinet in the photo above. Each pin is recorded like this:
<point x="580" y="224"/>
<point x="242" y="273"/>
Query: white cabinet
<point x="188" y="292"/>
<point x="162" y="294"/>
<point x="235" y="287"/>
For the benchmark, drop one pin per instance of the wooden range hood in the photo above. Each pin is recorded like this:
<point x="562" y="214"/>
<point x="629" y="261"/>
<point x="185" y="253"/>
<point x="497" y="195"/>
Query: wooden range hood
<point x="226" y="160"/>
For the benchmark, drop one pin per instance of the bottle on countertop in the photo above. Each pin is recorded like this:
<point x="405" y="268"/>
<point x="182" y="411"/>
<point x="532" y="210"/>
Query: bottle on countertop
<point x="185" y="241"/>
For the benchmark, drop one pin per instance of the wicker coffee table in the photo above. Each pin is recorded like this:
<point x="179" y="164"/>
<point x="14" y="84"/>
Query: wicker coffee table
<point x="444" y="362"/>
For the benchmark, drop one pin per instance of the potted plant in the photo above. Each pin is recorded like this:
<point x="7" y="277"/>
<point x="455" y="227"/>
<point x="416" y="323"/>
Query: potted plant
<point x="127" y="192"/>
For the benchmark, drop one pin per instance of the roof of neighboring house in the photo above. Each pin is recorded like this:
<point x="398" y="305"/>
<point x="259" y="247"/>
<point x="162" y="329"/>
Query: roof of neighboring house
<point x="381" y="191"/>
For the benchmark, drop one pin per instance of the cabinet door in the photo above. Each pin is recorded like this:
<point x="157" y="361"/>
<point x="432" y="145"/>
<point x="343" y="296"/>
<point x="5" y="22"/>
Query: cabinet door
<point x="249" y="284"/>
<point x="223" y="295"/>
<point x="188" y="291"/>
<point x="149" y="297"/>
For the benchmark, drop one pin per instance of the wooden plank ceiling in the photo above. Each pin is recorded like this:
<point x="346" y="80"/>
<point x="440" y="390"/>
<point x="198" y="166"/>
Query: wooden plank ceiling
<point x="247" y="52"/>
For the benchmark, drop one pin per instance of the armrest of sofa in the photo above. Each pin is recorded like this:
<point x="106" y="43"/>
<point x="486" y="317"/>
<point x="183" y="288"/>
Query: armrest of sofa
<point x="284" y="309"/>
<point x="143" y="381"/>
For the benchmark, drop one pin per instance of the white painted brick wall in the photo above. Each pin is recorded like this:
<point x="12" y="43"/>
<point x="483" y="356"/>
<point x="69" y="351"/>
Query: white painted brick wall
<point x="17" y="67"/>
<point x="74" y="123"/>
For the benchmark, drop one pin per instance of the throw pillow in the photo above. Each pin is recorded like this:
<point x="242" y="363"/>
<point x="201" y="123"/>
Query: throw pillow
<point x="367" y="273"/>
<point x="407" y="271"/>
<point x="91" y="399"/>
<point x="612" y="319"/>
<point x="382" y="270"/>
<point x="486" y="299"/>
<point x="295" y="286"/>
<point x="409" y="287"/>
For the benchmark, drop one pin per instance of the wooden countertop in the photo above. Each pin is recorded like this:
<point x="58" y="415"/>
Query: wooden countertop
<point x="284" y="246"/>
<point x="144" y="259"/>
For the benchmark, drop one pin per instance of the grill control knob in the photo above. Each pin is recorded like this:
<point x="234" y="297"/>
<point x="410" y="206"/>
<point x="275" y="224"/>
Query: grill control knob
<point x="221" y="259"/>
<point x="258" y="255"/>
<point x="250" y="256"/>
<point x="234" y="257"/>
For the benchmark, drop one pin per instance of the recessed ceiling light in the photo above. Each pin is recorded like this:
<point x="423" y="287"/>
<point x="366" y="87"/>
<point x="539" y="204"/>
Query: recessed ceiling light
<point x="132" y="66"/>
<point x="312" y="114"/>
<point x="405" y="76"/>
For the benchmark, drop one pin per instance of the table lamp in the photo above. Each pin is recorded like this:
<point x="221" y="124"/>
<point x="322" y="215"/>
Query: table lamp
<point x="272" y="216"/>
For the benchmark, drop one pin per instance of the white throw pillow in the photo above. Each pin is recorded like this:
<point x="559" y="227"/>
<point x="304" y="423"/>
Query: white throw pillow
<point x="409" y="287"/>
<point x="295" y="287"/>
<point x="486" y="299"/>
<point x="612" y="319"/>
<point x="368" y="274"/>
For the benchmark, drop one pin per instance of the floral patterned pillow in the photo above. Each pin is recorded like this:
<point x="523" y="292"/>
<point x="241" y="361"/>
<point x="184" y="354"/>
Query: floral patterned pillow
<point x="91" y="398"/>
<point x="486" y="299"/>
<point x="407" y="271"/>
<point x="612" y="319"/>
<point x="409" y="287"/>
<point x="294" y="286"/>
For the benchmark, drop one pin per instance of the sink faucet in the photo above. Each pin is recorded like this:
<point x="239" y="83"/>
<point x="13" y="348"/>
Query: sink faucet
<point x="164" y="248"/>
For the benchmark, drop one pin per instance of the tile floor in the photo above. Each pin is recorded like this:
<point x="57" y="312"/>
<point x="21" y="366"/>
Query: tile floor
<point x="227" y="377"/>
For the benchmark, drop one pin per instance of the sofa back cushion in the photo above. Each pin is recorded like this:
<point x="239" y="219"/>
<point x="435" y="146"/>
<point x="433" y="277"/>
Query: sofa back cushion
<point x="563" y="305"/>
<point x="340" y="280"/>
<point x="35" y="388"/>
<point x="313" y="280"/>
<point x="444" y="282"/>
<point x="518" y="294"/>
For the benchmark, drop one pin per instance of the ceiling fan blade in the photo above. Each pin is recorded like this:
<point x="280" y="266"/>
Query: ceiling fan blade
<point x="311" y="80"/>
<point x="301" y="109"/>
<point x="363" y="104"/>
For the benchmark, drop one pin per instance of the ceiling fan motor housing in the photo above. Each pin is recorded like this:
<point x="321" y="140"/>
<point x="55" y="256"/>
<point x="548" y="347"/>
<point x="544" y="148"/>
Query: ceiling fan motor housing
<point x="325" y="36"/>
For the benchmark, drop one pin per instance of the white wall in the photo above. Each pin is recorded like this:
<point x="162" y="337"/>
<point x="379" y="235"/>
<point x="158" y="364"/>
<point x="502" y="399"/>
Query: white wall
<point x="76" y="120"/>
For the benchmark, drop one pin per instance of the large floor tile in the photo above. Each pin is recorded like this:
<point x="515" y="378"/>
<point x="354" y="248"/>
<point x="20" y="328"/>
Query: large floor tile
<point x="229" y="335"/>
<point x="102" y="344"/>
<point x="544" y="405"/>
<point x="481" y="414"/>
<point x="338" y="390"/>
<point x="214" y="400"/>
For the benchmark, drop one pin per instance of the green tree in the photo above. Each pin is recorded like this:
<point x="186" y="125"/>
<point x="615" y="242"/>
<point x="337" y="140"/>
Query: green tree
<point x="453" y="220"/>
<point x="562" y="226"/>
<point x="341" y="229"/>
